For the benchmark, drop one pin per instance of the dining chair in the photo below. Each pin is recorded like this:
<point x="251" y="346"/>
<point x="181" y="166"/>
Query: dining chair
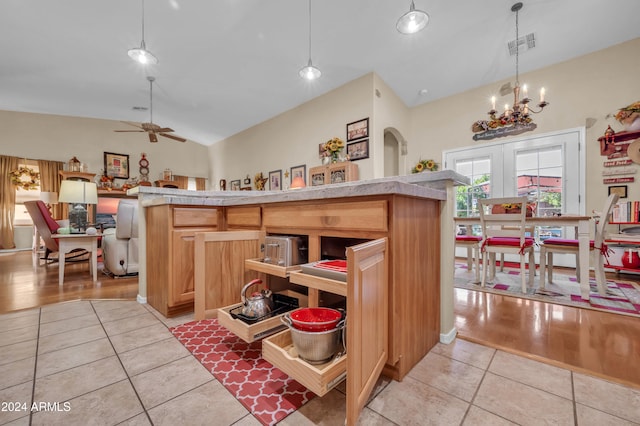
<point x="597" y="249"/>
<point x="505" y="232"/>
<point x="472" y="244"/>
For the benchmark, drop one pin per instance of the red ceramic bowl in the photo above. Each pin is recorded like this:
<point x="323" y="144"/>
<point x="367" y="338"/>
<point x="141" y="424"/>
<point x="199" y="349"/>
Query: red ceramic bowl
<point x="315" y="319"/>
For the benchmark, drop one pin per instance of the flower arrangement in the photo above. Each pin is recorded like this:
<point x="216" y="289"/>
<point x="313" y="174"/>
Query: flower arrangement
<point x="423" y="165"/>
<point x="627" y="115"/>
<point x="332" y="148"/>
<point x="32" y="176"/>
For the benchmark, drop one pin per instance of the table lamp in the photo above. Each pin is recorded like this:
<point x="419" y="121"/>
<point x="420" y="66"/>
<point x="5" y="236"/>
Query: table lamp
<point x="78" y="194"/>
<point x="297" y="183"/>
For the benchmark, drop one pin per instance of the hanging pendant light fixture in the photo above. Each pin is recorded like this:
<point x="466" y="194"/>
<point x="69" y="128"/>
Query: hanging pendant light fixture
<point x="141" y="54"/>
<point x="412" y="21"/>
<point x="518" y="116"/>
<point x="309" y="72"/>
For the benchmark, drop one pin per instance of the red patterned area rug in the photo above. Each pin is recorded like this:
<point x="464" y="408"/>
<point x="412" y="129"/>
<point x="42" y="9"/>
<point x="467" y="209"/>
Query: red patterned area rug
<point x="268" y="393"/>
<point x="623" y="297"/>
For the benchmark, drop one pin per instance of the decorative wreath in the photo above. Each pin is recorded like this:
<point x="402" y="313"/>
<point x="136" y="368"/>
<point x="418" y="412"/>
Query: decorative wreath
<point x="31" y="181"/>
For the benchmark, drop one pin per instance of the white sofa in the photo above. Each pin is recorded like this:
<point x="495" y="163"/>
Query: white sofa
<point x="120" y="244"/>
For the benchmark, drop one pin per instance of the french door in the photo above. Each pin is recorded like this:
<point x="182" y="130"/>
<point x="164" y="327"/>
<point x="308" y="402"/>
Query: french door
<point x="549" y="169"/>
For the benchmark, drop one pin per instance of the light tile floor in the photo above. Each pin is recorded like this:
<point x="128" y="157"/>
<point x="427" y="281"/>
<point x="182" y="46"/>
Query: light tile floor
<point x="116" y="363"/>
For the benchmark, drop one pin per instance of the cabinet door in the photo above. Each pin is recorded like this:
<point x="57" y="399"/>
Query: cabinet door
<point x="181" y="287"/>
<point x="220" y="272"/>
<point x="367" y="321"/>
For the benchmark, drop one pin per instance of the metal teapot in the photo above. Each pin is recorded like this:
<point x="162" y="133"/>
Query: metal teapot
<point x="259" y="304"/>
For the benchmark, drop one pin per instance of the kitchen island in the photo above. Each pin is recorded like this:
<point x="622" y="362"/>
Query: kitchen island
<point x="411" y="212"/>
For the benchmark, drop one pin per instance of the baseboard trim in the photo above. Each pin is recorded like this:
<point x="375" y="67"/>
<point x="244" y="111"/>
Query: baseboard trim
<point x="449" y="337"/>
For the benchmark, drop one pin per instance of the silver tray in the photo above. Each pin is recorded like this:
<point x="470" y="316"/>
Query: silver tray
<point x="311" y="269"/>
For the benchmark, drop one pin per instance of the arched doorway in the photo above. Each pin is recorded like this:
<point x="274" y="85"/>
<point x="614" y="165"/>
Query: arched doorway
<point x="395" y="151"/>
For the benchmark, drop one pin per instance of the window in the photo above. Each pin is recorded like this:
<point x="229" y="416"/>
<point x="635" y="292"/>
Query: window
<point x="549" y="169"/>
<point x="21" y="217"/>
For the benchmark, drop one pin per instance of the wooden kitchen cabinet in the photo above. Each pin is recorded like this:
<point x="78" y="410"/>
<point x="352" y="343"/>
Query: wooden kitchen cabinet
<point x="345" y="171"/>
<point x="408" y="218"/>
<point x="366" y="291"/>
<point x="367" y="331"/>
<point x="170" y="259"/>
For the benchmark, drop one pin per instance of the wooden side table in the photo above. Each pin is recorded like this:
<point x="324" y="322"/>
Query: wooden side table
<point x="69" y="242"/>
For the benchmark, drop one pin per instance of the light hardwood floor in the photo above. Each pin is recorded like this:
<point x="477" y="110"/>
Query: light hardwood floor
<point x="603" y="344"/>
<point x="25" y="282"/>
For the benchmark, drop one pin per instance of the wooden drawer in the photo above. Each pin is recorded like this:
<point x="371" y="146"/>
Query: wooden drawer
<point x="267" y="268"/>
<point x="319" y="379"/>
<point x="249" y="332"/>
<point x="320" y="283"/>
<point x="244" y="217"/>
<point x="195" y="216"/>
<point x="354" y="216"/>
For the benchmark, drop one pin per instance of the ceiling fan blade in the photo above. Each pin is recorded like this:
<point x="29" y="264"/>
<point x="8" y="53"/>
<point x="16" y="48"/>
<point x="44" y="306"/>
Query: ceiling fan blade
<point x="164" y="130"/>
<point x="152" y="137"/>
<point x="175" y="138"/>
<point x="128" y="130"/>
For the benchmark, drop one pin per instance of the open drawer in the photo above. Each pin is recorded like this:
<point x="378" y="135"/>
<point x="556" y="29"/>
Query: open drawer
<point x="267" y="268"/>
<point x="320" y="379"/>
<point x="319" y="283"/>
<point x="249" y="332"/>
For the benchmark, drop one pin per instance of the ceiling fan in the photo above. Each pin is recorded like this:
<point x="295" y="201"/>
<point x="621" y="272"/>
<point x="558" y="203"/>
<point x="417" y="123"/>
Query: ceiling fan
<point x="153" y="130"/>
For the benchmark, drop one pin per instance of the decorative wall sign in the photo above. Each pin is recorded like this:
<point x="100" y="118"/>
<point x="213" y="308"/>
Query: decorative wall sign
<point x="622" y="171"/>
<point x="504" y="131"/>
<point x="616" y="163"/>
<point x="617" y="155"/>
<point x="618" y="180"/>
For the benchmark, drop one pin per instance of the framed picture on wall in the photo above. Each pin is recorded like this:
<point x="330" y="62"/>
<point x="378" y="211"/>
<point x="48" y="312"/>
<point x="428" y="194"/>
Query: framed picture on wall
<point x="116" y="165"/>
<point x="621" y="190"/>
<point x="275" y="180"/>
<point x="358" y="150"/>
<point x="358" y="130"/>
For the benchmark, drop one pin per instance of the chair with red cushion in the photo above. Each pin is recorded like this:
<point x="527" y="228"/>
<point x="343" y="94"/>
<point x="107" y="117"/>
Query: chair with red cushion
<point x="506" y="233"/>
<point x="597" y="248"/>
<point x="45" y="225"/>
<point x="472" y="244"/>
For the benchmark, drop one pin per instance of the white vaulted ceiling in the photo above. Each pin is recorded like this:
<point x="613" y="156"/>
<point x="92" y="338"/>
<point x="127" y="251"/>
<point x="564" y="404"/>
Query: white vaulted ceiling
<point x="226" y="65"/>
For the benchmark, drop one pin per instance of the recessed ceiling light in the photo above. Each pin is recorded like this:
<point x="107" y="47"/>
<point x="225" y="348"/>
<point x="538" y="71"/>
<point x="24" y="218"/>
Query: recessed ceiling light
<point x="423" y="92"/>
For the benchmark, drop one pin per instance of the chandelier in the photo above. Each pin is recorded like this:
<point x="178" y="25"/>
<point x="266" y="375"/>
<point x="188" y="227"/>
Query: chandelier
<point x="519" y="115"/>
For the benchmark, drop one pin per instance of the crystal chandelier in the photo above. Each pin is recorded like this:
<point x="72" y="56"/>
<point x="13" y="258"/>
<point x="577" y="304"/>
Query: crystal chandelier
<point x="520" y="113"/>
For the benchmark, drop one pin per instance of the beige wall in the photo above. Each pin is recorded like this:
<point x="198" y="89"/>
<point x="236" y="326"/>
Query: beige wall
<point x="59" y="138"/>
<point x="292" y="138"/>
<point x="586" y="88"/>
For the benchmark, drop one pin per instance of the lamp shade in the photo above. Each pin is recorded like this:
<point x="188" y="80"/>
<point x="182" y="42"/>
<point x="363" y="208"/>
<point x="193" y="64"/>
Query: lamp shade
<point x="412" y="21"/>
<point x="142" y="55"/>
<point x="75" y="191"/>
<point x="297" y="183"/>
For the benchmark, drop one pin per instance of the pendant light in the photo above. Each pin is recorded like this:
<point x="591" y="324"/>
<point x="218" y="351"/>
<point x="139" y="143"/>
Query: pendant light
<point x="309" y="72"/>
<point x="141" y="54"/>
<point x="412" y="21"/>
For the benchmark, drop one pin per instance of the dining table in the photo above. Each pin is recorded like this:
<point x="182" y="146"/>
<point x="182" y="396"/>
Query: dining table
<point x="582" y="224"/>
